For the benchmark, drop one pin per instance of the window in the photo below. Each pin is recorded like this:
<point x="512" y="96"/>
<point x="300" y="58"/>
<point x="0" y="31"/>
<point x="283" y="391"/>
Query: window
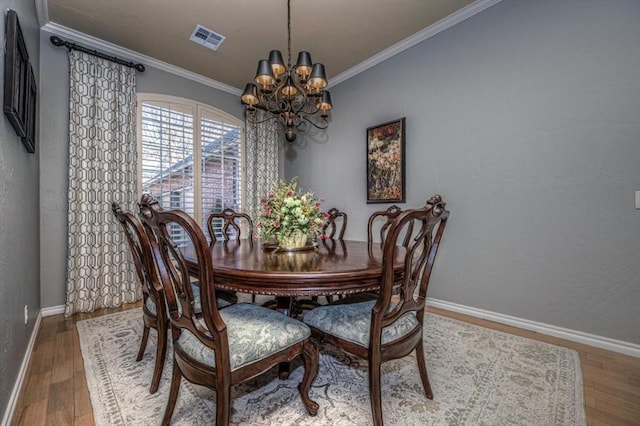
<point x="191" y="157"/>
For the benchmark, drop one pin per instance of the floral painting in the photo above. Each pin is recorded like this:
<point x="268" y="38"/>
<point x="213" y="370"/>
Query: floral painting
<point x="385" y="162"/>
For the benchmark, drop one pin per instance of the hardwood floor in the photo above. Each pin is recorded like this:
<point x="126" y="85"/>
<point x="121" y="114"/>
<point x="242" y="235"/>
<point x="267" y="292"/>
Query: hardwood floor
<point x="55" y="390"/>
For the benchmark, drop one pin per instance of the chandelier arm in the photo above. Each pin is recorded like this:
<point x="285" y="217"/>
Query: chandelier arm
<point x="251" y="120"/>
<point x="269" y="102"/>
<point x="323" y="125"/>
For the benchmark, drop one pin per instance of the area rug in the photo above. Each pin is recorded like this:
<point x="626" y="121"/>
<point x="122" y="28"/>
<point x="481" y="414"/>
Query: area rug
<point x="478" y="376"/>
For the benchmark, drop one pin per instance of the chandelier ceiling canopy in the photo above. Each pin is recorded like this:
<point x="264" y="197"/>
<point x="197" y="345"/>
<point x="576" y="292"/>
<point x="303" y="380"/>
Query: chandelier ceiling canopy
<point x="294" y="97"/>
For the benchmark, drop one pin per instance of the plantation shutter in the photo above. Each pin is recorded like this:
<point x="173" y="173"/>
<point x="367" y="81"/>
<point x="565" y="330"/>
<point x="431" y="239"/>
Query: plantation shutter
<point x="191" y="158"/>
<point x="222" y="172"/>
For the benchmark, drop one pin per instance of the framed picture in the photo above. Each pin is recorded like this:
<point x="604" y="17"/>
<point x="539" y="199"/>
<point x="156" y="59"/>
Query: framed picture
<point x="29" y="140"/>
<point x="16" y="66"/>
<point x="385" y="162"/>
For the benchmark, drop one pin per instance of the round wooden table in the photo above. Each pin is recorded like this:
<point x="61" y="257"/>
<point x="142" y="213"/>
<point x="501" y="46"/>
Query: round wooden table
<point x="336" y="267"/>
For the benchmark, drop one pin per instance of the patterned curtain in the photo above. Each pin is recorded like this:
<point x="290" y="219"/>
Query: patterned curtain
<point x="102" y="169"/>
<point x="262" y="161"/>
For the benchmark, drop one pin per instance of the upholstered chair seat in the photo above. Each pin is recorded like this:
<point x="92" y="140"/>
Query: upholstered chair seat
<point x="254" y="333"/>
<point x="352" y="322"/>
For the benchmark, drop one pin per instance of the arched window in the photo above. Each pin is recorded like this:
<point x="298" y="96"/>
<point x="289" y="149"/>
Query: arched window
<point x="190" y="156"/>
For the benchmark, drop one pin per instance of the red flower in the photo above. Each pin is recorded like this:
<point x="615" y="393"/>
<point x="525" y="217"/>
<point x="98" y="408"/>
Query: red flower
<point x="270" y="195"/>
<point x="277" y="224"/>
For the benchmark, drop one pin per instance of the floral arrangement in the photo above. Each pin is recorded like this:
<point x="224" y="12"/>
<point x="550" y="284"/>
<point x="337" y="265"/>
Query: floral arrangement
<point x="286" y="211"/>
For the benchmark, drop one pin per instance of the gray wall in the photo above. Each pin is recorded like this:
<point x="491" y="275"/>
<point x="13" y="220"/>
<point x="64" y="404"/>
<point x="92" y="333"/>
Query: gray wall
<point x="526" y="119"/>
<point x="19" y="253"/>
<point x="55" y="151"/>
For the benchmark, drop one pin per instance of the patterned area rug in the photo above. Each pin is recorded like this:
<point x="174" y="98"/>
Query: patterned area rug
<point x="478" y="376"/>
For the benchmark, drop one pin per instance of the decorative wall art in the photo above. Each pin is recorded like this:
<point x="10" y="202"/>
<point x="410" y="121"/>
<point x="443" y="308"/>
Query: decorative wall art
<point x="385" y="163"/>
<point x="20" y="92"/>
<point x="29" y="140"/>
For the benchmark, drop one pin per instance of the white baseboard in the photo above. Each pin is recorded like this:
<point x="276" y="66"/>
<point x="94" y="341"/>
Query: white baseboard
<point x="619" y="346"/>
<point x="15" y="393"/>
<point x="52" y="310"/>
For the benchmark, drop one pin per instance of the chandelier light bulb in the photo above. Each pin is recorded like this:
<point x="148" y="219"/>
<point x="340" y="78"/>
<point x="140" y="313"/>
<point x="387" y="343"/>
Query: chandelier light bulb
<point x="264" y="74"/>
<point x="277" y="63"/>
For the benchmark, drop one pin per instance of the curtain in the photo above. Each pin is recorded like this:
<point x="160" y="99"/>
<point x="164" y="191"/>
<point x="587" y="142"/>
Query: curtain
<point x="102" y="169"/>
<point x="262" y="160"/>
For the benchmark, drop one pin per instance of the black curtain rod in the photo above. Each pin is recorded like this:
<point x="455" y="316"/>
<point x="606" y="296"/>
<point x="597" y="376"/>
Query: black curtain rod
<point x="57" y="41"/>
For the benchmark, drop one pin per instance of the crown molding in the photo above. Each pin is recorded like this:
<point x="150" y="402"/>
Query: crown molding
<point x="113" y="49"/>
<point x="131" y="55"/>
<point x="457" y="17"/>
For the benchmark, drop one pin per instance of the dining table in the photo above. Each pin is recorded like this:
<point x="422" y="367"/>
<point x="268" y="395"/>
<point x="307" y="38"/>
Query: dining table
<point x="332" y="267"/>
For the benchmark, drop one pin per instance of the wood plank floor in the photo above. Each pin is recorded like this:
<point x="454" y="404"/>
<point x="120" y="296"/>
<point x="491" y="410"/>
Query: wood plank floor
<point x="55" y="390"/>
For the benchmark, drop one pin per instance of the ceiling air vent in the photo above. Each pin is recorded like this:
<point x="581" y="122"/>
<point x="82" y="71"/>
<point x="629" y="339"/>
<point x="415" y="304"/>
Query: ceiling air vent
<point x="206" y="37"/>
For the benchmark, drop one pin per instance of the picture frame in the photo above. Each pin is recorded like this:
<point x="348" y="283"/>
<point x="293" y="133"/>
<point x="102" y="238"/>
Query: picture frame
<point x="29" y="140"/>
<point x="386" y="162"/>
<point x="16" y="68"/>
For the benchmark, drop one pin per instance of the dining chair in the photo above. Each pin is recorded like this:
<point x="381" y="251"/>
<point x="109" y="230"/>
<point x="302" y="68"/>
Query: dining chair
<point x="336" y="222"/>
<point x="392" y="326"/>
<point x="378" y="225"/>
<point x="229" y="224"/>
<point x="153" y="314"/>
<point x="223" y="346"/>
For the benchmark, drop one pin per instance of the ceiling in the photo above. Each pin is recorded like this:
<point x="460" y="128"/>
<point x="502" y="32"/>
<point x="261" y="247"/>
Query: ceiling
<point x="339" y="33"/>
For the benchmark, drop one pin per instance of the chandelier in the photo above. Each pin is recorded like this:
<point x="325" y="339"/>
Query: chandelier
<point x="294" y="97"/>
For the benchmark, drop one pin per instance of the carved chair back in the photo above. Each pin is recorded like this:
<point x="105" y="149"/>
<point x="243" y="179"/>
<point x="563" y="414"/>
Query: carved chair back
<point x="336" y="222"/>
<point x="141" y="252"/>
<point x="381" y="221"/>
<point x="231" y="225"/>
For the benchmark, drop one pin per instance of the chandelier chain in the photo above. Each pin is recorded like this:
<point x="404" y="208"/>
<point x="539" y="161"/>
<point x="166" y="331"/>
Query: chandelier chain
<point x="288" y="34"/>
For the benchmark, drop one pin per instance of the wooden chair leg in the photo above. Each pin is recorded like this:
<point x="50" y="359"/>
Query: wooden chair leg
<point x="161" y="353"/>
<point x="375" y="392"/>
<point x="422" y="368"/>
<point x="310" y="359"/>
<point x="143" y="343"/>
<point x="223" y="405"/>
<point x="176" y="377"/>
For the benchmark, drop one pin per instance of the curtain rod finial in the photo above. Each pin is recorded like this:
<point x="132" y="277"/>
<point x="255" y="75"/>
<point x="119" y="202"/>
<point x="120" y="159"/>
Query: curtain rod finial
<point x="57" y="41"/>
